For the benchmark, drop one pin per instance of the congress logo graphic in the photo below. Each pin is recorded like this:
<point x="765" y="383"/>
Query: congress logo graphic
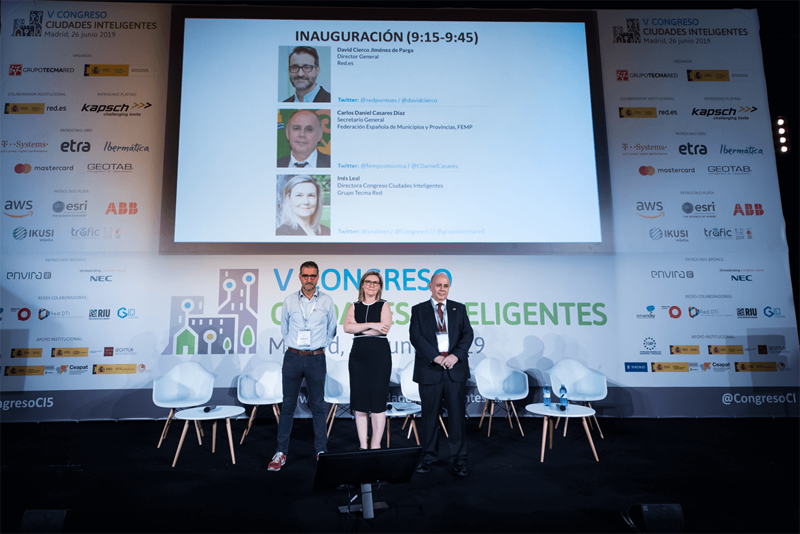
<point x="629" y="33"/>
<point x="30" y="28"/>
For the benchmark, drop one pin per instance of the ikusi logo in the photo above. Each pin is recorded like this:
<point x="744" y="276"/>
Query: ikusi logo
<point x="749" y="210"/>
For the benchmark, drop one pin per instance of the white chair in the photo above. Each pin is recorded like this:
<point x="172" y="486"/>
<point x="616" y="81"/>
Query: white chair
<point x="410" y="391"/>
<point x="583" y="385"/>
<point x="497" y="382"/>
<point x="262" y="386"/>
<point x="186" y="385"/>
<point x="337" y="390"/>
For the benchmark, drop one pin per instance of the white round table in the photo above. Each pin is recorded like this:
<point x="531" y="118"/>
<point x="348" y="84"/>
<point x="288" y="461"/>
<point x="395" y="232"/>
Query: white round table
<point x="402" y="409"/>
<point x="573" y="410"/>
<point x="199" y="414"/>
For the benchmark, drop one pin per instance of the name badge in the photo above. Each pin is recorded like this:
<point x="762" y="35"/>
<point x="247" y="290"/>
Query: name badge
<point x="304" y="338"/>
<point x="443" y="341"/>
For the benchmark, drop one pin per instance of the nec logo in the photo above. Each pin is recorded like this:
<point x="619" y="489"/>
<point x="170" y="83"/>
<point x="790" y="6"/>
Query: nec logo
<point x="122" y="208"/>
<point x="622" y="75"/>
<point x="741" y="278"/>
<point x="100" y="278"/>
<point x="749" y="209"/>
<point x="15" y="70"/>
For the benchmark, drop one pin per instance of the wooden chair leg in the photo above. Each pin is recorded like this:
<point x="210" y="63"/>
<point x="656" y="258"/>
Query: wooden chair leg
<point x="214" y="437"/>
<point x="230" y="440"/>
<point x="333" y="407"/>
<point x="405" y="421"/>
<point x="276" y="413"/>
<point x="409" y="427"/>
<point x="491" y="414"/>
<point x="166" y="427"/>
<point x="388" y="431"/>
<point x="566" y="422"/>
<point x="551" y="433"/>
<point x="485" y="405"/>
<point x="517" y="418"/>
<point x="249" y="423"/>
<point x="414" y="426"/>
<point x="180" y="443"/>
<point x="333" y="417"/>
<point x="596" y="422"/>
<point x="444" y="427"/>
<point x="558" y="420"/>
<point x="589" y="435"/>
<point x="200" y="426"/>
<point x="544" y="437"/>
<point x="197" y="428"/>
<point x="508" y="413"/>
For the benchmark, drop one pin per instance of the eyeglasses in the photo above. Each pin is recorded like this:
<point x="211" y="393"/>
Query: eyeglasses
<point x="294" y="69"/>
<point x="309" y="276"/>
<point x="371" y="283"/>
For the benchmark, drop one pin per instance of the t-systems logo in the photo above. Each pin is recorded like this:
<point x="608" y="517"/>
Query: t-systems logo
<point x="649" y="210"/>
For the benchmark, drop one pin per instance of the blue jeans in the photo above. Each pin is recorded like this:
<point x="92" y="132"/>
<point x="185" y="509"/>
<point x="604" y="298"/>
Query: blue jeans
<point x="295" y="368"/>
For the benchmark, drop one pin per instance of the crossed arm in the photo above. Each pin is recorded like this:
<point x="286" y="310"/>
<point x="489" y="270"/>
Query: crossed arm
<point x="369" y="329"/>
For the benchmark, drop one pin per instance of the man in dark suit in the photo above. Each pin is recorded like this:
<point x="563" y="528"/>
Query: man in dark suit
<point x="441" y="334"/>
<point x="304" y="132"/>
<point x="303" y="71"/>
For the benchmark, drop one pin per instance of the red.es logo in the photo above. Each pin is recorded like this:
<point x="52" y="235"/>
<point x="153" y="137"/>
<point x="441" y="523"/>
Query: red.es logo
<point x="749" y="209"/>
<point x="15" y="70"/>
<point x="622" y="75"/>
<point x="122" y="208"/>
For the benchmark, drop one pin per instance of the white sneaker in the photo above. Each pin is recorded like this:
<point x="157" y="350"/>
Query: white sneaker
<point x="277" y="462"/>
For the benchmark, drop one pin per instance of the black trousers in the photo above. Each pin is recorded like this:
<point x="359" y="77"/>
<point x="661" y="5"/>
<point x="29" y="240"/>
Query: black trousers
<point x="454" y="396"/>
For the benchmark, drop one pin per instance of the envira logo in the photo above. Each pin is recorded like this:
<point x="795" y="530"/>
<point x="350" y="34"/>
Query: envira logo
<point x="692" y="150"/>
<point x="30" y="28"/>
<point x="649" y="207"/>
<point x="749" y="210"/>
<point x="72" y="146"/>
<point x="672" y="274"/>
<point x="31" y="275"/>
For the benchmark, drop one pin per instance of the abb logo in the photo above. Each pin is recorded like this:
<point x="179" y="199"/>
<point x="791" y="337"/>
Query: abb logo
<point x="749" y="209"/>
<point x="15" y="70"/>
<point x="122" y="208"/>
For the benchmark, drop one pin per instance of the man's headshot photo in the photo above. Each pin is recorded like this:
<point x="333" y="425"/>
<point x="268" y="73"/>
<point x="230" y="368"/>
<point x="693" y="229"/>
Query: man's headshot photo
<point x="306" y="139"/>
<point x="305" y="74"/>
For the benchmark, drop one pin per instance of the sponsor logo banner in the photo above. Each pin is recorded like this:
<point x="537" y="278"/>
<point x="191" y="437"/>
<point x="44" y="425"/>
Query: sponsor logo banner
<point x="24" y="109"/>
<point x="26" y="353"/>
<point x="756" y="367"/>
<point x="635" y="367"/>
<point x="114" y="369"/>
<point x="726" y="349"/>
<point x="684" y="349"/>
<point x="669" y="367"/>
<point x="708" y="75"/>
<point x="24" y="370"/>
<point x="69" y="352"/>
<point x="637" y="113"/>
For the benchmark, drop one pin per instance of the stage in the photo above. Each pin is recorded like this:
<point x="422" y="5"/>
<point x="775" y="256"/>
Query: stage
<point x="728" y="475"/>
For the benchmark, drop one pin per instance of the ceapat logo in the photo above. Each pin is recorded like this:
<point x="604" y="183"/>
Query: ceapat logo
<point x="22" y="168"/>
<point x="717" y="367"/>
<point x="749" y="210"/>
<point x="647" y="170"/>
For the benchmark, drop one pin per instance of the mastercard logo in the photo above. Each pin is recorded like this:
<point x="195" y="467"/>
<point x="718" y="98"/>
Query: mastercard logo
<point x="22" y="168"/>
<point x="646" y="170"/>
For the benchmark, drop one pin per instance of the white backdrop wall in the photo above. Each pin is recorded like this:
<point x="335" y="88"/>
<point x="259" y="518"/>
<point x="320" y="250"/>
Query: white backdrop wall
<point x="691" y="316"/>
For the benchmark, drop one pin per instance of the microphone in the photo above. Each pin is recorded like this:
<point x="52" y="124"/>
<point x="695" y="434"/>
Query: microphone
<point x="209" y="408"/>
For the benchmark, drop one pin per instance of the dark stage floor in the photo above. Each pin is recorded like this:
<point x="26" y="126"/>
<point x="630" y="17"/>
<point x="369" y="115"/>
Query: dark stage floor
<point x="729" y="475"/>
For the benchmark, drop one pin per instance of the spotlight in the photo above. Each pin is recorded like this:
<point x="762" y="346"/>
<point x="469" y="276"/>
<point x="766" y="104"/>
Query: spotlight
<point x="781" y="135"/>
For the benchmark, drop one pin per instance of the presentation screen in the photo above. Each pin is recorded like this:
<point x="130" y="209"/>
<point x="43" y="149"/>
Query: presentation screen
<point x="291" y="134"/>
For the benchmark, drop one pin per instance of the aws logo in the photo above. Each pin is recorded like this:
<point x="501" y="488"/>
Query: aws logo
<point x="650" y="207"/>
<point x="18" y="205"/>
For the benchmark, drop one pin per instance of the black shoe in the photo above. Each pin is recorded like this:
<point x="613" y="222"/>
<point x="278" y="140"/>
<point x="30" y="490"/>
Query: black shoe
<point x="424" y="468"/>
<point x="460" y="470"/>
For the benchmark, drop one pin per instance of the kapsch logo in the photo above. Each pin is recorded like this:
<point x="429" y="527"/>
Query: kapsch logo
<point x="15" y="70"/>
<point x="730" y="114"/>
<point x="25" y="206"/>
<point x="692" y="150"/>
<point x="30" y="28"/>
<point x="22" y="168"/>
<point x="73" y="146"/>
<point x="749" y="210"/>
<point x="649" y="207"/>
<point x="122" y="208"/>
<point x="629" y="33"/>
<point x="622" y="75"/>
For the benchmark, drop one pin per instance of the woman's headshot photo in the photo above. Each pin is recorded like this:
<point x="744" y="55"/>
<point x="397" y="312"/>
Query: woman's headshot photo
<point x="303" y="205"/>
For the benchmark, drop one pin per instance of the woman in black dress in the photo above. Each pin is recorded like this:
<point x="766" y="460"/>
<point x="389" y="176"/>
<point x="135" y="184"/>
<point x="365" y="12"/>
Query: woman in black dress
<point x="370" y="358"/>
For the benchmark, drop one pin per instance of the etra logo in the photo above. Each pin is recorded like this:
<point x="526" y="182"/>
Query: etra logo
<point x="15" y="70"/>
<point x="629" y="33"/>
<point x="31" y="28"/>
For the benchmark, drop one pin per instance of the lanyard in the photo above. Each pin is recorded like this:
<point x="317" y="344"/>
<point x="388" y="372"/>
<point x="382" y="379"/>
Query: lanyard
<point x="304" y="308"/>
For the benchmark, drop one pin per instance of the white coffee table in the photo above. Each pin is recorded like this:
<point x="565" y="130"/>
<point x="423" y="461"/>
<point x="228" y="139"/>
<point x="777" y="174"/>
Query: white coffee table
<point x="402" y="409"/>
<point x="573" y="410"/>
<point x="198" y="414"/>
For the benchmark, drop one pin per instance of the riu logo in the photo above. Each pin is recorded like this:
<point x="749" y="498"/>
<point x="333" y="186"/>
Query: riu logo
<point x="122" y="208"/>
<point x="749" y="209"/>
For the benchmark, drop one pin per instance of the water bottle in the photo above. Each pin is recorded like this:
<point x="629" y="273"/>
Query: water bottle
<point x="546" y="396"/>
<point x="563" y="393"/>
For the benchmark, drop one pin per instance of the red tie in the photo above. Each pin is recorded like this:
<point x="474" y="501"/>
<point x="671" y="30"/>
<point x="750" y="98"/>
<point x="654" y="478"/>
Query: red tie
<point x="443" y="325"/>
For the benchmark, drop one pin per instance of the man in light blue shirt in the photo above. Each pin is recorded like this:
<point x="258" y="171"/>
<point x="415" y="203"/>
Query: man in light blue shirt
<point x="308" y="325"/>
